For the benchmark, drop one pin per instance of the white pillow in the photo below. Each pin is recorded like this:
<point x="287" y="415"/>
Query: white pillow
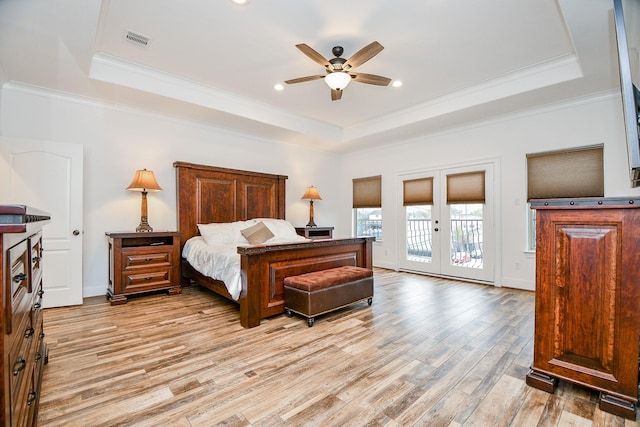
<point x="223" y="233"/>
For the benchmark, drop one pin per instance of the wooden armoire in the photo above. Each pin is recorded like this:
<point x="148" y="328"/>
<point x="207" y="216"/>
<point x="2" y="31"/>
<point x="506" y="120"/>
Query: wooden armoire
<point x="587" y="321"/>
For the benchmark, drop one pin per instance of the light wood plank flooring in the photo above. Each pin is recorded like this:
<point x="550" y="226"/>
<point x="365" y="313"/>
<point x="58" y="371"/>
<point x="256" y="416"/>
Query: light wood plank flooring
<point x="428" y="352"/>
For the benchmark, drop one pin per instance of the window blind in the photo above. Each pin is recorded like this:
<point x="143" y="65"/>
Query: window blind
<point x="367" y="192"/>
<point x="418" y="191"/>
<point x="467" y="187"/>
<point x="571" y="173"/>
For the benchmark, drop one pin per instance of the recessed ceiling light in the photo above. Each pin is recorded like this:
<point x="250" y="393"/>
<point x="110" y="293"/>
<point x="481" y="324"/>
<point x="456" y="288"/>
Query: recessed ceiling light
<point x="240" y="2"/>
<point x="279" y="87"/>
<point x="396" y="83"/>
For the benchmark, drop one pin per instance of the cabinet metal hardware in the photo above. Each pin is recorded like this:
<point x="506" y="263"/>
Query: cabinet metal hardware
<point x="28" y="332"/>
<point x="21" y="365"/>
<point x="36" y="259"/>
<point x="20" y="277"/>
<point x="37" y="306"/>
<point x="32" y="397"/>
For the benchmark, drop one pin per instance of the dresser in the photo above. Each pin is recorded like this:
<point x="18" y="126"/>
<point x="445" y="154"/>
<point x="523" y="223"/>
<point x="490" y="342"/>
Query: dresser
<point x="587" y="320"/>
<point x="24" y="348"/>
<point x="143" y="262"/>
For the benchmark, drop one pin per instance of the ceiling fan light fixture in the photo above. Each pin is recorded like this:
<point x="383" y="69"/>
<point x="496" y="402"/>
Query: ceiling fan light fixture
<point x="337" y="80"/>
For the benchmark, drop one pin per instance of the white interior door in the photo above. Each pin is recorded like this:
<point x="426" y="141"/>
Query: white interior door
<point x="454" y="240"/>
<point x="48" y="176"/>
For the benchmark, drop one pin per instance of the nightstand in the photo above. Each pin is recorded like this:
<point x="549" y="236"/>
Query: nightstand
<point x="143" y="262"/>
<point x="315" y="233"/>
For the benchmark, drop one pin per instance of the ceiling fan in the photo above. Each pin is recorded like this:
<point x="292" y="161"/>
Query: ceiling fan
<point x="338" y="69"/>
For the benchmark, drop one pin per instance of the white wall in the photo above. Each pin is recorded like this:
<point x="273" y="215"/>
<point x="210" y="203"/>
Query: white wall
<point x="509" y="139"/>
<point x="117" y="142"/>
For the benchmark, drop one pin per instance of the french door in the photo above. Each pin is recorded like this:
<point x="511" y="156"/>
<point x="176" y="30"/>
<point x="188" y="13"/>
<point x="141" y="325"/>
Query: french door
<point x="442" y="234"/>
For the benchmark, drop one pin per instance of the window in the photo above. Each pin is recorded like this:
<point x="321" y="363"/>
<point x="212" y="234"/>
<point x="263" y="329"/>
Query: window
<point x="367" y="206"/>
<point x="571" y="173"/>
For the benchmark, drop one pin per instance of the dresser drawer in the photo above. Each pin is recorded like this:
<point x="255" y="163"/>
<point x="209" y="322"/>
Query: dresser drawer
<point x="38" y="350"/>
<point x="136" y="258"/>
<point x="35" y="242"/>
<point x="17" y="286"/>
<point x="19" y="363"/>
<point x="145" y="280"/>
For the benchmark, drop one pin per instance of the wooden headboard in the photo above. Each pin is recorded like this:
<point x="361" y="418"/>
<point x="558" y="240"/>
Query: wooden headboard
<point x="207" y="194"/>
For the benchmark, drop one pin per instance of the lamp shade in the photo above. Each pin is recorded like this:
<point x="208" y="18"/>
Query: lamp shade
<point x="337" y="80"/>
<point x="144" y="180"/>
<point x="311" y="194"/>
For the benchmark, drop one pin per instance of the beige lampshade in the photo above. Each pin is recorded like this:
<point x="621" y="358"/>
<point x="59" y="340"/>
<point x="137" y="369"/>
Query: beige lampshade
<point x="311" y="194"/>
<point x="144" y="180"/>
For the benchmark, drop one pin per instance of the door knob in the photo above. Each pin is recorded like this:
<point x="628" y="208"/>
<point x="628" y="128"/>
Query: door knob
<point x="435" y="229"/>
<point x="76" y="232"/>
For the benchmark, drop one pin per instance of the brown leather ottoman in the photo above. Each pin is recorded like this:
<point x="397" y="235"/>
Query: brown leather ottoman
<point x="320" y="292"/>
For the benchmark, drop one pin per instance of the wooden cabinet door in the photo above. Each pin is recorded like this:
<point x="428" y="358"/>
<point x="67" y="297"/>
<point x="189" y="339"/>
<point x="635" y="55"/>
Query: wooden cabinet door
<point x="587" y="298"/>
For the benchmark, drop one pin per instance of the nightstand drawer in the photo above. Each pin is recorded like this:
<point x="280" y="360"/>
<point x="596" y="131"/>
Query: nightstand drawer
<point x="135" y="258"/>
<point x="146" y="280"/>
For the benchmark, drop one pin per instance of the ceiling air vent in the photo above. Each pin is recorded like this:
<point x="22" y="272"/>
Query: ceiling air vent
<point x="137" y="39"/>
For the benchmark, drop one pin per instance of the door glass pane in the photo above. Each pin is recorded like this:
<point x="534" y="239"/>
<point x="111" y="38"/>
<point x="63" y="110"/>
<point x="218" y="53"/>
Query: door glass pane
<point x="466" y="235"/>
<point x="419" y="238"/>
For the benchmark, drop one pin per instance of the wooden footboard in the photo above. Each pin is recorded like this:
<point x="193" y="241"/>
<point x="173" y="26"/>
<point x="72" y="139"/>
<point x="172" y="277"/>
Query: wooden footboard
<point x="265" y="267"/>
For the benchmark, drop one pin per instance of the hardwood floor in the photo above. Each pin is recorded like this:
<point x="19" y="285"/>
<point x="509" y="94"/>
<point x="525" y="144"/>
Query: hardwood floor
<point x="428" y="352"/>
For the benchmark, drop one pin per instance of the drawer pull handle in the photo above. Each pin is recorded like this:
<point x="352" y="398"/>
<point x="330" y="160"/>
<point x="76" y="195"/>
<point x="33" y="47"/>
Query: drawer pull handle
<point x="41" y="336"/>
<point x="19" y="277"/>
<point x="149" y="259"/>
<point x="38" y="356"/>
<point x="21" y="365"/>
<point x="37" y="306"/>
<point x="32" y="397"/>
<point x="28" y="332"/>
<point x="36" y="259"/>
<point x="40" y="292"/>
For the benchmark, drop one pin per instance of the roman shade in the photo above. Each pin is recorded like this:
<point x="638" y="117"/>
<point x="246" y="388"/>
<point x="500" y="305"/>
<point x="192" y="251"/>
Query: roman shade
<point x="570" y="173"/>
<point x="367" y="192"/>
<point x="417" y="192"/>
<point x="466" y="187"/>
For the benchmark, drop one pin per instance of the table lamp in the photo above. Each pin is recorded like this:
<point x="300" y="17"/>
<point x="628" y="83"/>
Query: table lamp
<point x="311" y="194"/>
<point x="144" y="181"/>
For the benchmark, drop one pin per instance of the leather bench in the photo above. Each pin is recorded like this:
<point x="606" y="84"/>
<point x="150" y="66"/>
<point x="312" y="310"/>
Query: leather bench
<point x="319" y="292"/>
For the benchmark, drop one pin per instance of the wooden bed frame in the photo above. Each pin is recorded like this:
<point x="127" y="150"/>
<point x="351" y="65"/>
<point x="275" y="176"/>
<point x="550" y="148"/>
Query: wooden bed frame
<point x="208" y="194"/>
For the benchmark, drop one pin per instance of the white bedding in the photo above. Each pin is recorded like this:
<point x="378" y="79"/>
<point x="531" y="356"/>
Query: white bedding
<point x="215" y="254"/>
<point x="220" y="262"/>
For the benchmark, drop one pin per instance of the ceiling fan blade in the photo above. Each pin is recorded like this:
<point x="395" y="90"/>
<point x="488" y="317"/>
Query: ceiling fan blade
<point x="371" y="79"/>
<point x="336" y="94"/>
<point x="313" y="54"/>
<point x="363" y="55"/>
<point x="303" y="79"/>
